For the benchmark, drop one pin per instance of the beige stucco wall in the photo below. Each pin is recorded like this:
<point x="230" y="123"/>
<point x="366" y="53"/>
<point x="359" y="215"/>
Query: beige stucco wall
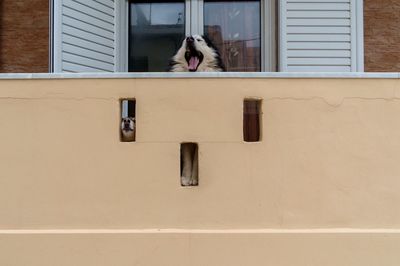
<point x="329" y="160"/>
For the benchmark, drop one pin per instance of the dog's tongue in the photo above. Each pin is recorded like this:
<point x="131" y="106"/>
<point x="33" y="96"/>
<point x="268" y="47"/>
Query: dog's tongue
<point x="193" y="62"/>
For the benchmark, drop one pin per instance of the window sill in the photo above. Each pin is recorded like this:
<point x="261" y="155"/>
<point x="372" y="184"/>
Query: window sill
<point x="273" y="75"/>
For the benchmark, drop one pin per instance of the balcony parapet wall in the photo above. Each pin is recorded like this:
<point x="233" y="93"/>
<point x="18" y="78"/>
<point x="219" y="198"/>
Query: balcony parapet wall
<point x="323" y="180"/>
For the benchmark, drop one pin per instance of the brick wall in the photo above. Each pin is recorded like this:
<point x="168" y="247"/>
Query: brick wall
<point x="382" y="35"/>
<point x="24" y="36"/>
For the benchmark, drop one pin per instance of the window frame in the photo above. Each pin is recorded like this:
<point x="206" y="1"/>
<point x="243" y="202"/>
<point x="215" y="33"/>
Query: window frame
<point x="194" y="24"/>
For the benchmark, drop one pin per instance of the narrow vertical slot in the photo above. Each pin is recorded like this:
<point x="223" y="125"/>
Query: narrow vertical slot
<point x="189" y="164"/>
<point x="252" y="120"/>
<point x="128" y="120"/>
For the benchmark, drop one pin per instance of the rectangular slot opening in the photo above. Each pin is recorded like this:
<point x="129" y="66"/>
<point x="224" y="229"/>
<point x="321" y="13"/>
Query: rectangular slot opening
<point x="128" y="120"/>
<point x="252" y="120"/>
<point x="189" y="164"/>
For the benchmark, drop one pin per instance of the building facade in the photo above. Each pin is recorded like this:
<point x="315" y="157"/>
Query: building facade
<point x="293" y="168"/>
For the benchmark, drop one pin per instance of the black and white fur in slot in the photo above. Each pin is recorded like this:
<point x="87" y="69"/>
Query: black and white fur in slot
<point x="128" y="129"/>
<point x="197" y="54"/>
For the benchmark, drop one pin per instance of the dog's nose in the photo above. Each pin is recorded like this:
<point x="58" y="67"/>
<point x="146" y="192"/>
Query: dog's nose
<point x="190" y="39"/>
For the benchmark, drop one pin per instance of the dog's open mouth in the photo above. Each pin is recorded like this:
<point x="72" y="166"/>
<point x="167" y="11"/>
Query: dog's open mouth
<point x="194" y="59"/>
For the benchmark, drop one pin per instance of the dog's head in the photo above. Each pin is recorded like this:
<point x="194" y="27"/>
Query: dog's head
<point x="196" y="54"/>
<point x="128" y="124"/>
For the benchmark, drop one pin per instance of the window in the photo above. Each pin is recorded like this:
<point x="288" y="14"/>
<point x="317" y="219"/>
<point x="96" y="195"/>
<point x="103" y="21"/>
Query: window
<point x="234" y="27"/>
<point x="156" y="32"/>
<point x="142" y="35"/>
<point x="238" y="28"/>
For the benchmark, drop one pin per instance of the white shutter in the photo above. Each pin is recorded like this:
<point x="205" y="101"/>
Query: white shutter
<point x="321" y="35"/>
<point x="84" y="36"/>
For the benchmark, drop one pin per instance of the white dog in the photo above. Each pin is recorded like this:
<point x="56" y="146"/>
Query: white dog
<point x="197" y="54"/>
<point x="128" y="129"/>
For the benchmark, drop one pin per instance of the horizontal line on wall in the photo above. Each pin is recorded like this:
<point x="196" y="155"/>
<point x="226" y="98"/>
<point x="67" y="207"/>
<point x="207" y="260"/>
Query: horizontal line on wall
<point x="200" y="231"/>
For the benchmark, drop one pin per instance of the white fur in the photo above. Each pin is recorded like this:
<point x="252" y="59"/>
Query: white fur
<point x="209" y="63"/>
<point x="128" y="135"/>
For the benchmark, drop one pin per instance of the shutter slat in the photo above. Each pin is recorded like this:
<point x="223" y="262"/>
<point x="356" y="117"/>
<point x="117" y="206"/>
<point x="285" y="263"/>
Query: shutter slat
<point x="84" y="51"/>
<point x="320" y="61"/>
<point x="97" y="6"/>
<point x="319" y="6"/>
<point x="87" y="27"/>
<point x="94" y="63"/>
<point x="319" y="1"/>
<point x="77" y="68"/>
<point x="90" y="11"/>
<point x="318" y="29"/>
<point x="318" y="22"/>
<point x="88" y="19"/>
<point x="83" y="43"/>
<point x="317" y="35"/>
<point x="108" y="3"/>
<point x="318" y="14"/>
<point x="319" y="45"/>
<point x="87" y="36"/>
<point x="318" y="53"/>
<point x="319" y="69"/>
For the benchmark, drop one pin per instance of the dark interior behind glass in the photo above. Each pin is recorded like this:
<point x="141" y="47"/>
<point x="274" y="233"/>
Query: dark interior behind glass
<point x="157" y="29"/>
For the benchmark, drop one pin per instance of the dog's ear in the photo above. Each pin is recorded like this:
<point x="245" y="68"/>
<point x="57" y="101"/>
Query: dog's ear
<point x="211" y="45"/>
<point x="208" y="42"/>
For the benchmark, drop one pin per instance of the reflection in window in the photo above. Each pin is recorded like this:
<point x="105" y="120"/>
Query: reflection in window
<point x="234" y="28"/>
<point x="157" y="29"/>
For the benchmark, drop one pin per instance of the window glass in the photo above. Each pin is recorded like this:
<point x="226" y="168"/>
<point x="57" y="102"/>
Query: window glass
<point x="157" y="29"/>
<point x="234" y="27"/>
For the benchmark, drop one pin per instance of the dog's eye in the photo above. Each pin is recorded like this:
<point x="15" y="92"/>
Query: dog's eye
<point x="199" y="40"/>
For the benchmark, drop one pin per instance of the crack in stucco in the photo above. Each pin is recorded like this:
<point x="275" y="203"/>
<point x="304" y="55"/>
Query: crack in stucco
<point x="338" y="102"/>
<point x="60" y="98"/>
